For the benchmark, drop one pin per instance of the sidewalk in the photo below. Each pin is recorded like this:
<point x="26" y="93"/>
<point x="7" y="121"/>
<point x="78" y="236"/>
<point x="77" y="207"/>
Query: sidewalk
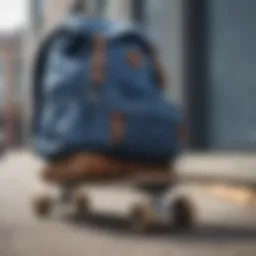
<point x="235" y="168"/>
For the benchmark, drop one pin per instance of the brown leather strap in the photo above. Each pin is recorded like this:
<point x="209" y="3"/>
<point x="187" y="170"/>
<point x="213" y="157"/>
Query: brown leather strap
<point x="117" y="128"/>
<point x="99" y="60"/>
<point x="135" y="58"/>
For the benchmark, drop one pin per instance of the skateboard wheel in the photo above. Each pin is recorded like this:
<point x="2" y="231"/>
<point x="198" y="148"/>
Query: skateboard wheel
<point x="82" y="205"/>
<point x="141" y="219"/>
<point x="183" y="213"/>
<point x="42" y="207"/>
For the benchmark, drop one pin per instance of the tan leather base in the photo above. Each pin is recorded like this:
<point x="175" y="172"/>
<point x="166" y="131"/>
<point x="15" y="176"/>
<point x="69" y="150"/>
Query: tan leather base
<point x="87" y="166"/>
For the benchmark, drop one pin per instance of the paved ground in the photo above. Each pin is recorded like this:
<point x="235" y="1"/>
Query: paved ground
<point x="224" y="228"/>
<point x="235" y="168"/>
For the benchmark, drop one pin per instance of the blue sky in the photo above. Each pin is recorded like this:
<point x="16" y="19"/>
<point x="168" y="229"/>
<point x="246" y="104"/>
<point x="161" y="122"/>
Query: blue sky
<point x="13" y="14"/>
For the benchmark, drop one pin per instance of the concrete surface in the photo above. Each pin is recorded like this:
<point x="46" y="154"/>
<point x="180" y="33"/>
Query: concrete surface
<point x="238" y="168"/>
<point x="223" y="228"/>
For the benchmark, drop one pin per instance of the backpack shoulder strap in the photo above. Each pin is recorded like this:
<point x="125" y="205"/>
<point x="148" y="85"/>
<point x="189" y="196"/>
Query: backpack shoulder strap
<point x="38" y="71"/>
<point x="99" y="60"/>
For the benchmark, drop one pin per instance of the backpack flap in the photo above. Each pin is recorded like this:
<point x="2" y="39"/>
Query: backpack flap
<point x="135" y="57"/>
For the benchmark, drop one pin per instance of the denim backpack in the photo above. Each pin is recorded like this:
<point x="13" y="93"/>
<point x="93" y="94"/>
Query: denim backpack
<point x="98" y="87"/>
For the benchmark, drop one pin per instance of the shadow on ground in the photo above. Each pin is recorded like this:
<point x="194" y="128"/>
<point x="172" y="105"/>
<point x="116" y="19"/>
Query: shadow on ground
<point x="206" y="233"/>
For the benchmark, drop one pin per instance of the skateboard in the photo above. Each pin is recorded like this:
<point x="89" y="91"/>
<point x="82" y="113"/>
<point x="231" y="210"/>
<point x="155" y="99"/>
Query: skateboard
<point x="145" y="199"/>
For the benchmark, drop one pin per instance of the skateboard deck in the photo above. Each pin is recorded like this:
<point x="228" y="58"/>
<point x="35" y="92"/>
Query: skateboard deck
<point x="134" y="179"/>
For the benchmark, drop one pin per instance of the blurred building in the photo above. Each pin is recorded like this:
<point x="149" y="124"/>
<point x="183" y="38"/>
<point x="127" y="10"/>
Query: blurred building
<point x="209" y="50"/>
<point x="10" y="86"/>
